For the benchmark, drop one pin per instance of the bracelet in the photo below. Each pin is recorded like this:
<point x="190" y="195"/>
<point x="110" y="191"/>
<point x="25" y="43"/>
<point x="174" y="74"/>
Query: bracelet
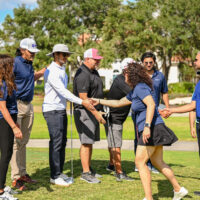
<point x="14" y="127"/>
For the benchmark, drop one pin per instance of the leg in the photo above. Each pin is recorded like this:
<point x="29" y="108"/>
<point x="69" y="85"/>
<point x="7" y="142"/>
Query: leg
<point x="85" y="155"/>
<point x="198" y="135"/>
<point x="25" y="120"/>
<point x="6" y="149"/>
<point x="111" y="156"/>
<point x="157" y="161"/>
<point x="116" y="152"/>
<point x="142" y="155"/>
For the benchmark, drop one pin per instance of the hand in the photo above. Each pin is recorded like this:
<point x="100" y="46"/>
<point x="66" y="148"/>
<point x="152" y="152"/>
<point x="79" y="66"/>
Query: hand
<point x="17" y="132"/>
<point x="146" y="134"/>
<point x="166" y="112"/>
<point x="87" y="104"/>
<point x="99" y="117"/>
<point x="193" y="132"/>
<point x="94" y="101"/>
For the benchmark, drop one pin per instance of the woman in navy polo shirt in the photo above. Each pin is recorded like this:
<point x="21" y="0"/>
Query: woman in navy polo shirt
<point x="153" y="134"/>
<point x="8" y="118"/>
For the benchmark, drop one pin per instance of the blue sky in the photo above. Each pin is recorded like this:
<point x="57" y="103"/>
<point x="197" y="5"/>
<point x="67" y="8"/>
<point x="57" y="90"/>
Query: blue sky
<point x="7" y="6"/>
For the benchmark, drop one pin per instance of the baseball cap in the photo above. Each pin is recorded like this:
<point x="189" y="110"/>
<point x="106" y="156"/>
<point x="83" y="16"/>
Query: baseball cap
<point x="59" y="48"/>
<point x="29" y="44"/>
<point x="125" y="62"/>
<point x="92" y="53"/>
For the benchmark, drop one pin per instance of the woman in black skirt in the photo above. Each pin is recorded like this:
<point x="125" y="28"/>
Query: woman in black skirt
<point x="153" y="134"/>
<point x="8" y="117"/>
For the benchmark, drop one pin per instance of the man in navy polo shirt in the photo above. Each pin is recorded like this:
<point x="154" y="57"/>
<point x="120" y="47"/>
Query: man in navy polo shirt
<point x="24" y="80"/>
<point x="148" y="60"/>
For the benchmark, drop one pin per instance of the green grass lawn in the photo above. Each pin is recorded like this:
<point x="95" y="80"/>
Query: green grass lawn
<point x="185" y="166"/>
<point x="180" y="125"/>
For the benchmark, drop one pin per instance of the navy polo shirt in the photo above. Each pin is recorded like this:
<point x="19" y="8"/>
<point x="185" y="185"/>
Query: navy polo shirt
<point x="11" y="103"/>
<point x="24" y="79"/>
<point x="159" y="85"/>
<point x="136" y="96"/>
<point x="196" y="97"/>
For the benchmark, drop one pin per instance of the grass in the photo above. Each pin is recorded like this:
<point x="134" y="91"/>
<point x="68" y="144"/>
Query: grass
<point x="184" y="164"/>
<point x="180" y="125"/>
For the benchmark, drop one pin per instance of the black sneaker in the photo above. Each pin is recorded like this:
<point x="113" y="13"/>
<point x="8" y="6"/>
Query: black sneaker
<point x="93" y="172"/>
<point x="197" y="193"/>
<point x="88" y="177"/>
<point x="122" y="176"/>
<point x="110" y="168"/>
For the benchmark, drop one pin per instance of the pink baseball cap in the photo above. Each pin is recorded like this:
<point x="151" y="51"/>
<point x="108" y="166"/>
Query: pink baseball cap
<point x="92" y="53"/>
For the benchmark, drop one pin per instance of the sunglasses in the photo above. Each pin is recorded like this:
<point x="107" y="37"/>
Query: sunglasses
<point x="146" y="63"/>
<point x="65" y="54"/>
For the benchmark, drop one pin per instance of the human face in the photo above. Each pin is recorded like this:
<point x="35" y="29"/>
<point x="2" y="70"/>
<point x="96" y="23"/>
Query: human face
<point x="27" y="55"/>
<point x="197" y="61"/>
<point x="148" y="63"/>
<point x="61" y="58"/>
<point x="94" y="63"/>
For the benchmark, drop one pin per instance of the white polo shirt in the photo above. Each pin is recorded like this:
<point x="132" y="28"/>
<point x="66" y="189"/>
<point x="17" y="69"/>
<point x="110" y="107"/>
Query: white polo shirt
<point x="56" y="94"/>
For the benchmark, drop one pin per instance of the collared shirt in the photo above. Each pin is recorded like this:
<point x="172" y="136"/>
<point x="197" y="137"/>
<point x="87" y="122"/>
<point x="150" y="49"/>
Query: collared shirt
<point x="118" y="90"/>
<point x="55" y="86"/>
<point x="159" y="85"/>
<point x="11" y="103"/>
<point x="196" y="97"/>
<point x="24" y="79"/>
<point x="139" y="108"/>
<point x="88" y="81"/>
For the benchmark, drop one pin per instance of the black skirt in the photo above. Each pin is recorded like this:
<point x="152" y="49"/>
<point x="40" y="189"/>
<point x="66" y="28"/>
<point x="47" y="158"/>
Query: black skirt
<point x="161" y="135"/>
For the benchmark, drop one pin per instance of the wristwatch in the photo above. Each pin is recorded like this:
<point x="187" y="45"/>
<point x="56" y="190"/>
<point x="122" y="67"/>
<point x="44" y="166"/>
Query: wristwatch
<point x="147" y="125"/>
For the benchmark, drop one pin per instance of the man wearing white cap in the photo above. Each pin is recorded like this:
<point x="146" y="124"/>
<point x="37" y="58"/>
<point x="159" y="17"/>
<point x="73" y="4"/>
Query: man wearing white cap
<point x="87" y="84"/>
<point x="24" y="80"/>
<point x="54" y="111"/>
<point x="114" y="126"/>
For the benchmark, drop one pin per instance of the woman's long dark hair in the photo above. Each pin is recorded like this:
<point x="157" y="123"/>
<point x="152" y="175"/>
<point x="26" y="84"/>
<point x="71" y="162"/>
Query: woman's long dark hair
<point x="6" y="73"/>
<point x="137" y="74"/>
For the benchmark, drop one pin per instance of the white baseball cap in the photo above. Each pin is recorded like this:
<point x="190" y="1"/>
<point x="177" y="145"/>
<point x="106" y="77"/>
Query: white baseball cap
<point x="92" y="53"/>
<point x="29" y="44"/>
<point x="125" y="62"/>
<point x="59" y="48"/>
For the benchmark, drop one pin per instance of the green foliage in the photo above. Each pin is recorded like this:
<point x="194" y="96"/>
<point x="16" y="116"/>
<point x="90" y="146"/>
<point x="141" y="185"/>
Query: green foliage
<point x="181" y="88"/>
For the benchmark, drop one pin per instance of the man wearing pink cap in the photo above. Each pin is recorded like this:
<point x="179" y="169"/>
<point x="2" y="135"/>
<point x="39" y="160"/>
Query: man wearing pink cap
<point x="87" y="84"/>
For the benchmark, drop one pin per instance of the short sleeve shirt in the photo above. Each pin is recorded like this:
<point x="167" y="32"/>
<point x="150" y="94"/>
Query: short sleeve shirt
<point x="11" y="103"/>
<point x="88" y="81"/>
<point x="24" y="79"/>
<point x="159" y="85"/>
<point x="136" y="96"/>
<point x="196" y="97"/>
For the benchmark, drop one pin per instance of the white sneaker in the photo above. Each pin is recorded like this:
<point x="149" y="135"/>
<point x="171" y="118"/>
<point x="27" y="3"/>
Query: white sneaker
<point x="144" y="199"/>
<point x="7" y="196"/>
<point x="59" y="181"/>
<point x="67" y="179"/>
<point x="178" y="195"/>
<point x="136" y="169"/>
<point x="63" y="176"/>
<point x="10" y="190"/>
<point x="154" y="170"/>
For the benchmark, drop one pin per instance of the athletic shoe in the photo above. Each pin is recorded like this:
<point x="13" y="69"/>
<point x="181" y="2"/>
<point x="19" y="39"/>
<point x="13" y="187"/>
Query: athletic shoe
<point x="197" y="193"/>
<point x="110" y="168"/>
<point x="178" y="195"/>
<point x="94" y="173"/>
<point x="10" y="190"/>
<point x="88" y="177"/>
<point x="122" y="176"/>
<point x="18" y="184"/>
<point x="144" y="199"/>
<point x="67" y="179"/>
<point x="154" y="170"/>
<point x="59" y="181"/>
<point x="28" y="179"/>
<point x="7" y="196"/>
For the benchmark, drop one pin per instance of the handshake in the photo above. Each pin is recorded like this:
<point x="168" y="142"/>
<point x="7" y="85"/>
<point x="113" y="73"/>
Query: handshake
<point x="165" y="113"/>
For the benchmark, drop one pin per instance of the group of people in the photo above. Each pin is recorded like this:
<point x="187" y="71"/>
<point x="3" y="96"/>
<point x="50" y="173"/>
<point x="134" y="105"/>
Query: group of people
<point x="138" y="87"/>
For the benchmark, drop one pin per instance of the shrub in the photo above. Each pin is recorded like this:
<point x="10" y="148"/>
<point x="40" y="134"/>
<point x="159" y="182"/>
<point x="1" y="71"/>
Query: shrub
<point x="181" y="88"/>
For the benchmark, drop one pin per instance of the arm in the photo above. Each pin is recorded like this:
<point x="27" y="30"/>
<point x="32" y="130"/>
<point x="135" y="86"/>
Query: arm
<point x="184" y="109"/>
<point x="97" y="114"/>
<point x="192" y="118"/>
<point x="17" y="132"/>
<point x="165" y="97"/>
<point x="148" y="100"/>
<point x="112" y="103"/>
<point x="39" y="74"/>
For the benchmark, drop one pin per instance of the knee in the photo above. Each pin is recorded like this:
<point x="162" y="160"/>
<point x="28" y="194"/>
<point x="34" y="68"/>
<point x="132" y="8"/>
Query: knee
<point x="139" y="162"/>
